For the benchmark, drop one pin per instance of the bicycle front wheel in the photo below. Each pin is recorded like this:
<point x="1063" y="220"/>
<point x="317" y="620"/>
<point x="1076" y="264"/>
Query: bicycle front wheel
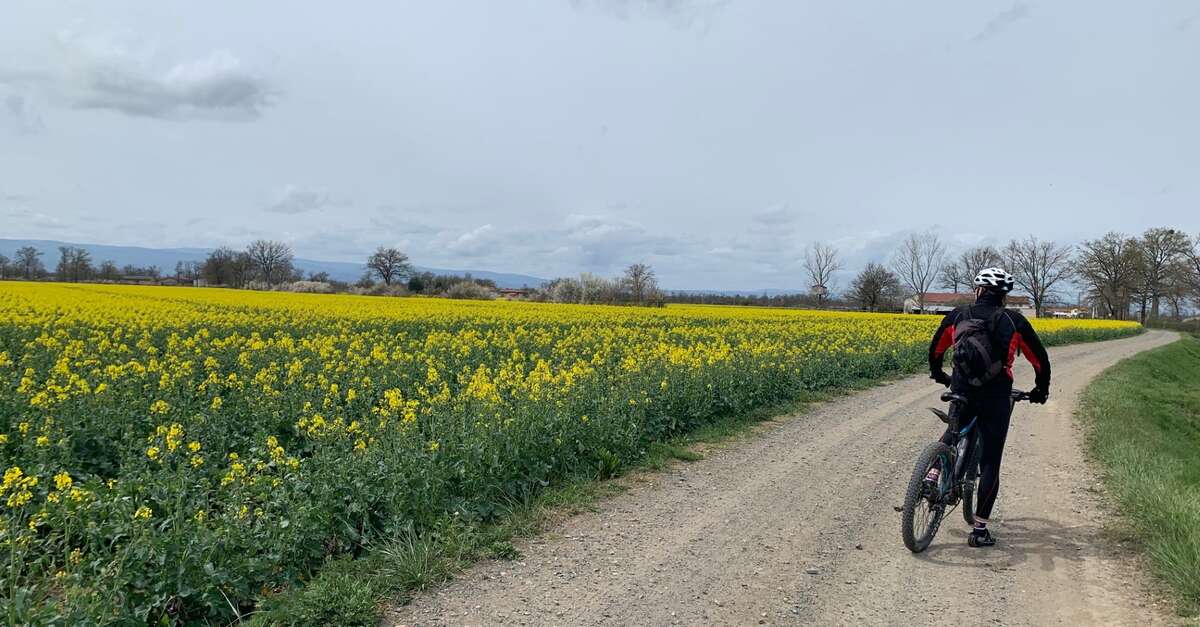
<point x="924" y="505"/>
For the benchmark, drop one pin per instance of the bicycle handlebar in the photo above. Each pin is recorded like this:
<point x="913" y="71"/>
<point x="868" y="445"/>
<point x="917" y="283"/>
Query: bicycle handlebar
<point x="950" y="397"/>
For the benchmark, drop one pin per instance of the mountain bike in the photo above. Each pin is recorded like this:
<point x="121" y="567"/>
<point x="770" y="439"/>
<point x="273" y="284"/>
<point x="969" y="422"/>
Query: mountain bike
<point x="927" y="502"/>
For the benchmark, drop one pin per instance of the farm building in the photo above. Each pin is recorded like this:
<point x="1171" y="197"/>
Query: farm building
<point x="1077" y="311"/>
<point x="514" y="293"/>
<point x="944" y="302"/>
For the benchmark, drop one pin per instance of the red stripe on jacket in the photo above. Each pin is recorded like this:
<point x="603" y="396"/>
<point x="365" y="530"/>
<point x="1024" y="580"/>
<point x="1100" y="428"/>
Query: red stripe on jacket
<point x="944" y="342"/>
<point x="1018" y="342"/>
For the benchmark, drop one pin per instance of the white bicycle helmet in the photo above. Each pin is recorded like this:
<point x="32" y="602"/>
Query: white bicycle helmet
<point x="994" y="279"/>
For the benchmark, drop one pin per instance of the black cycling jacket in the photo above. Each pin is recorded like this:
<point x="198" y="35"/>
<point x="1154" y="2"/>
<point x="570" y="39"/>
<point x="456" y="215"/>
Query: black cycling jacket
<point x="1012" y="331"/>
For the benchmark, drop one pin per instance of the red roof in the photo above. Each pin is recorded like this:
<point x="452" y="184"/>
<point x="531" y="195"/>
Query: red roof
<point x="966" y="298"/>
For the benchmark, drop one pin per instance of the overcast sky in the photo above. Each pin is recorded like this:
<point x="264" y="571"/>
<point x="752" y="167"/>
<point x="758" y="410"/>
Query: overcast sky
<point x="711" y="139"/>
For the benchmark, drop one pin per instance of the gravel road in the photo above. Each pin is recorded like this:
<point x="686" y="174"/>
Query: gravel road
<point x="796" y="525"/>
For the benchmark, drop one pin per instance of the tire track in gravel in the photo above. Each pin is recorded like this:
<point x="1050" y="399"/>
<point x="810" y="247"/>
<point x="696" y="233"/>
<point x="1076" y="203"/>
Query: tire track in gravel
<point x="731" y="539"/>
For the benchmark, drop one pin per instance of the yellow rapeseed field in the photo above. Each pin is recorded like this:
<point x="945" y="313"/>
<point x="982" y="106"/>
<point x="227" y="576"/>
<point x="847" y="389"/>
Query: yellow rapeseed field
<point x="186" y="452"/>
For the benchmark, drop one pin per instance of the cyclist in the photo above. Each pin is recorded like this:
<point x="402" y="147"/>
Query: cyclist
<point x="988" y="398"/>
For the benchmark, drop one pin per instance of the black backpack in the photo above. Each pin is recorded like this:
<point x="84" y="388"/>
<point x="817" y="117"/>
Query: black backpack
<point x="977" y="359"/>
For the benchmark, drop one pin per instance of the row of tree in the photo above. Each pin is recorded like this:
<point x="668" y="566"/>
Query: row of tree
<point x="74" y="264"/>
<point x="1121" y="275"/>
<point x="637" y="286"/>
<point x="1118" y="274"/>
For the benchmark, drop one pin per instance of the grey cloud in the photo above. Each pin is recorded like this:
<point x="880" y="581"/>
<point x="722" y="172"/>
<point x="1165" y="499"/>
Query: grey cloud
<point x="602" y="239"/>
<point x="473" y="243"/>
<point x="96" y="72"/>
<point x="14" y="198"/>
<point x="25" y="117"/>
<point x="1186" y="23"/>
<point x="596" y="243"/>
<point x="681" y="11"/>
<point x="1002" y="21"/>
<point x="775" y="216"/>
<point x="35" y="219"/>
<point x="292" y="200"/>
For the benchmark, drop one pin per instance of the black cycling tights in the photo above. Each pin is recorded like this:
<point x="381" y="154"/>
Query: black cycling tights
<point x="993" y="415"/>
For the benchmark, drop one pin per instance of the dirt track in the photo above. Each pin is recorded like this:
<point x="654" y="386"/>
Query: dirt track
<point x="796" y="526"/>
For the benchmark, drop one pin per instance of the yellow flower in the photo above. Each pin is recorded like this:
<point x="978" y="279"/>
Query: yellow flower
<point x="62" y="481"/>
<point x="153" y="453"/>
<point x="42" y="441"/>
<point x="237" y="470"/>
<point x="142" y="513"/>
<point x="197" y="461"/>
<point x="200" y="516"/>
<point x="194" y="446"/>
<point x="37" y="520"/>
<point x="18" y="486"/>
<point x="360" y="446"/>
<point x="434" y="446"/>
<point x="3" y="438"/>
<point x="159" y="407"/>
<point x="216" y="403"/>
<point x="75" y="557"/>
<point x="23" y="428"/>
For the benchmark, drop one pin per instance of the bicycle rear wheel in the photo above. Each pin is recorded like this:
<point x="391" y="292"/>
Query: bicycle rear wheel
<point x="923" y="508"/>
<point x="969" y="476"/>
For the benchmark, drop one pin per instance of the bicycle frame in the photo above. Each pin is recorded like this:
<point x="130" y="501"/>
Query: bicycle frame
<point x="962" y="438"/>
<point x="925" y="505"/>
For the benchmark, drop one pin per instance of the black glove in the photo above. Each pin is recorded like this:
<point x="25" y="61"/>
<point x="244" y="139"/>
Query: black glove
<point x="1039" y="395"/>
<point x="941" y="377"/>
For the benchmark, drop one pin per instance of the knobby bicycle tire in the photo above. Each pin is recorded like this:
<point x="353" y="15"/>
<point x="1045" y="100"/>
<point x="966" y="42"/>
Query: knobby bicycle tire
<point x="970" y="476"/>
<point x="913" y="498"/>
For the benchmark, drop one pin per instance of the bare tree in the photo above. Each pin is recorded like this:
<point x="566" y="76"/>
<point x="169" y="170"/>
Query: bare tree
<point x="1160" y="249"/>
<point x="390" y="264"/>
<point x="74" y="264"/>
<point x="1037" y="266"/>
<point x="1109" y="267"/>
<point x="918" y="263"/>
<point x="188" y="271"/>
<point x="1178" y="286"/>
<point x="108" y="270"/>
<point x="271" y="260"/>
<point x="875" y="287"/>
<point x="597" y="289"/>
<point x="641" y="283"/>
<point x="821" y="261"/>
<point x="28" y="262"/>
<point x="226" y="266"/>
<point x="131" y="271"/>
<point x="1191" y="263"/>
<point x="563" y="290"/>
<point x="4" y="266"/>
<point x="961" y="271"/>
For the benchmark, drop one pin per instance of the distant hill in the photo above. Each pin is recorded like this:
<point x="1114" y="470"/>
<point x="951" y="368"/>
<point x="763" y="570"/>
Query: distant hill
<point x="166" y="258"/>
<point x="770" y="291"/>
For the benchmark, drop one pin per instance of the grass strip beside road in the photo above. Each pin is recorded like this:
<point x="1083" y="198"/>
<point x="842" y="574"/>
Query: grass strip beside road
<point x="1143" y="417"/>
